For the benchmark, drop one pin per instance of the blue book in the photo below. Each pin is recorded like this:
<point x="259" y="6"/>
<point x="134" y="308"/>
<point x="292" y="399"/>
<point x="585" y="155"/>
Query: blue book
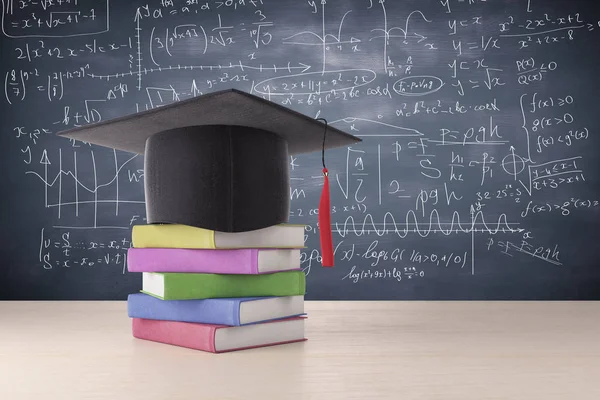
<point x="219" y="311"/>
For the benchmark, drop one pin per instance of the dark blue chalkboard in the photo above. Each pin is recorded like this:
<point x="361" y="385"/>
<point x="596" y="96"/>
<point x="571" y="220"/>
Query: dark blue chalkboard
<point x="477" y="177"/>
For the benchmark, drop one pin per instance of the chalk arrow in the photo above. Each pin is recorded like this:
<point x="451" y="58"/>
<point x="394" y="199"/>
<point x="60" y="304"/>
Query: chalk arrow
<point x="45" y="159"/>
<point x="306" y="67"/>
<point x="138" y="15"/>
<point x="421" y="37"/>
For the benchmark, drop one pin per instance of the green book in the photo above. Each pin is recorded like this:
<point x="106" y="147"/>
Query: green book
<point x="193" y="286"/>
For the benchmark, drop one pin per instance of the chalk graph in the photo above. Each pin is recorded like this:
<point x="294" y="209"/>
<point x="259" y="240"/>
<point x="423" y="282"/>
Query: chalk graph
<point x="56" y="177"/>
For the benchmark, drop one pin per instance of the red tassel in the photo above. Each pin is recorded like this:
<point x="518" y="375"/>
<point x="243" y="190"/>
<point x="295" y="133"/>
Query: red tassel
<point x="325" y="224"/>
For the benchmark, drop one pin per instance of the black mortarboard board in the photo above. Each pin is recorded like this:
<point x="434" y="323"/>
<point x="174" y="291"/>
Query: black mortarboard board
<point x="218" y="161"/>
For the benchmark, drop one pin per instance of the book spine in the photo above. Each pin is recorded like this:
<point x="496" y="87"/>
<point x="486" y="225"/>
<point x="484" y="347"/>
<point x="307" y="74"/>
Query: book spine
<point x="180" y="286"/>
<point x="171" y="237"/>
<point x="235" y="312"/>
<point x="182" y="334"/>
<point x="254" y="261"/>
<point x="208" y="261"/>
<point x="219" y="312"/>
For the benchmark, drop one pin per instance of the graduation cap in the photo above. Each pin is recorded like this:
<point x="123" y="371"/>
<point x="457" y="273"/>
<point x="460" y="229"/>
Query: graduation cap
<point x="220" y="161"/>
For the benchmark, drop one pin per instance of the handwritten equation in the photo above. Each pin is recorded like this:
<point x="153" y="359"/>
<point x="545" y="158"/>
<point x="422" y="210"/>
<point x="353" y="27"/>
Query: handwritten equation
<point x="65" y="252"/>
<point x="54" y="18"/>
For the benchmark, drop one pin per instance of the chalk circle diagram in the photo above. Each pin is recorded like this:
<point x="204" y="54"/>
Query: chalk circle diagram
<point x="513" y="164"/>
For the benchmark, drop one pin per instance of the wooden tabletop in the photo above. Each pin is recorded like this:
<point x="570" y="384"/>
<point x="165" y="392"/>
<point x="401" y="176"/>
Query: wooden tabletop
<point x="355" y="350"/>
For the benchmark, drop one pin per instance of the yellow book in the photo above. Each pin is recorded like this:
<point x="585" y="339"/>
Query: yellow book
<point x="177" y="236"/>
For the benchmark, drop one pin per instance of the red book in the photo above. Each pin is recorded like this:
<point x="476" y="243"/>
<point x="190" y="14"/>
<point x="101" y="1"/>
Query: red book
<point x="219" y="338"/>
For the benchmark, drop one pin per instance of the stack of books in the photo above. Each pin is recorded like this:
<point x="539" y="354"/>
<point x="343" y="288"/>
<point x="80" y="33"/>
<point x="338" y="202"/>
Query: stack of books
<point x="220" y="262"/>
<point x="217" y="291"/>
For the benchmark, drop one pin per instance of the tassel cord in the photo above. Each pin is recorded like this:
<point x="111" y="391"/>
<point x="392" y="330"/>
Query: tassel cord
<point x="325" y="212"/>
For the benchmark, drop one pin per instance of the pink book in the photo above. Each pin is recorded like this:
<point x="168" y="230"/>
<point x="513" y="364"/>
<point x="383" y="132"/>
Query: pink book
<point x="219" y="338"/>
<point x="213" y="261"/>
